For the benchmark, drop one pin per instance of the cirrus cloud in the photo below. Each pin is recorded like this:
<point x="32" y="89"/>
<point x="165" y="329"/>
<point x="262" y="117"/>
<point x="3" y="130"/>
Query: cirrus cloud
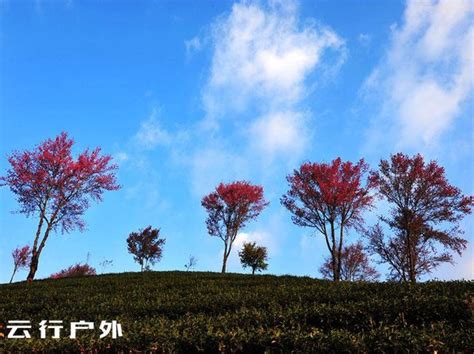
<point x="426" y="75"/>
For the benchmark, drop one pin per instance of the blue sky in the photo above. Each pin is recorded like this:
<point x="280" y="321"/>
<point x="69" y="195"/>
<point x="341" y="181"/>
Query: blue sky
<point x="187" y="94"/>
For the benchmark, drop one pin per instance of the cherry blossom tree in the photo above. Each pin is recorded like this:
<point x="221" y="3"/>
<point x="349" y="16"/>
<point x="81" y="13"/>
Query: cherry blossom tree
<point x="56" y="188"/>
<point x="21" y="259"/>
<point x="146" y="247"/>
<point x="424" y="219"/>
<point x="230" y="207"/>
<point x="329" y="197"/>
<point x="355" y="265"/>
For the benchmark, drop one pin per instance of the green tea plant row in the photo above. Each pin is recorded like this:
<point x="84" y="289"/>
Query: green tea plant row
<point x="208" y="312"/>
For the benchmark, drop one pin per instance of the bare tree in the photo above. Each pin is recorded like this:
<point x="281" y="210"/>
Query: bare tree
<point x="192" y="261"/>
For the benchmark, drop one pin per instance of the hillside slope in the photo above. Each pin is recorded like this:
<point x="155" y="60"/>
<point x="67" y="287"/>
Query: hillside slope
<point x="209" y="312"/>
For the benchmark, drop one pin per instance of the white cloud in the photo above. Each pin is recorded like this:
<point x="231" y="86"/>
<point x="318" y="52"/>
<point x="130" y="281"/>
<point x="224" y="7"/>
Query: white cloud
<point x="192" y="45"/>
<point x="262" y="238"/>
<point x="212" y="165"/>
<point x="364" y="39"/>
<point x="280" y="133"/>
<point x="151" y="134"/>
<point x="264" y="53"/>
<point x="264" y="61"/>
<point x="427" y="73"/>
<point x="121" y="157"/>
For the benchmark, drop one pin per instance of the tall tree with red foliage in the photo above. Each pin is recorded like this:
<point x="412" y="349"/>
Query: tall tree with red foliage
<point x="146" y="246"/>
<point x="56" y="188"/>
<point x="331" y="198"/>
<point x="425" y="213"/>
<point x="21" y="259"/>
<point x="355" y="265"/>
<point x="230" y="207"/>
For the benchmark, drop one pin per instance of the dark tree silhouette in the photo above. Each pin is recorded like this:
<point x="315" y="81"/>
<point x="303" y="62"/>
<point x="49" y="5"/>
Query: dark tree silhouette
<point x="253" y="256"/>
<point x="146" y="247"/>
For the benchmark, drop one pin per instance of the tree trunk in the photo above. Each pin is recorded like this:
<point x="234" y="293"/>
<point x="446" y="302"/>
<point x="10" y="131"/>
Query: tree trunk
<point x="411" y="261"/>
<point x="253" y="271"/>
<point x="227" y="248"/>
<point x="224" y="264"/>
<point x="334" y="254"/>
<point x="34" y="251"/>
<point x="35" y="254"/>
<point x="33" y="266"/>
<point x="339" y="251"/>
<point x="14" y="271"/>
<point x="412" y="275"/>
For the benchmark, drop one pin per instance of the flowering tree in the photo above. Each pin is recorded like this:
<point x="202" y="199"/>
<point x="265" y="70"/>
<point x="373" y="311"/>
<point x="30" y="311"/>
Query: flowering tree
<point x="146" y="246"/>
<point x="77" y="270"/>
<point x="355" y="265"/>
<point x="425" y="213"/>
<point x="329" y="197"/>
<point x="253" y="256"/>
<point x="21" y="259"/>
<point x="230" y="207"/>
<point x="56" y="188"/>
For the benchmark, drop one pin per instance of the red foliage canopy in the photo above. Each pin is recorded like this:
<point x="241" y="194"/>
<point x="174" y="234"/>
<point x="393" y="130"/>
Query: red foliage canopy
<point x="231" y="206"/>
<point x="426" y="209"/>
<point x="229" y="209"/>
<point x="77" y="270"/>
<point x="21" y="257"/>
<point x="328" y="191"/>
<point x="52" y="185"/>
<point x="329" y="196"/>
<point x="146" y="246"/>
<point x="355" y="265"/>
<point x="48" y="181"/>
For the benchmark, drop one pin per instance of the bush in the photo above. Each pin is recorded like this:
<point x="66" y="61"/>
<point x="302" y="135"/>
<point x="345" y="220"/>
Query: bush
<point x="77" y="270"/>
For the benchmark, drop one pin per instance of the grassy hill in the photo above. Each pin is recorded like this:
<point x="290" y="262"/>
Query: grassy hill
<point x="208" y="312"/>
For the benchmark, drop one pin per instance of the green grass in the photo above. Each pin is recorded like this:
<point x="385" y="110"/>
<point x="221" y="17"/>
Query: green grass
<point x="209" y="312"/>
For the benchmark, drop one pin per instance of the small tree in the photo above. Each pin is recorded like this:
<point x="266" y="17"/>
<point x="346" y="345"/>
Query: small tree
<point x="330" y="198"/>
<point x="146" y="247"/>
<point x="77" y="270"/>
<point x="230" y="207"/>
<point x="355" y="265"/>
<point x="425" y="213"/>
<point x="55" y="188"/>
<point x="253" y="256"/>
<point x="21" y="259"/>
<point x="192" y="261"/>
<point x="106" y="263"/>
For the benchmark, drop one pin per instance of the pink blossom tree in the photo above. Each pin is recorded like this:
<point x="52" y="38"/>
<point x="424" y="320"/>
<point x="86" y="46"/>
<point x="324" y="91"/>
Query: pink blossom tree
<point x="21" y="259"/>
<point x="56" y="188"/>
